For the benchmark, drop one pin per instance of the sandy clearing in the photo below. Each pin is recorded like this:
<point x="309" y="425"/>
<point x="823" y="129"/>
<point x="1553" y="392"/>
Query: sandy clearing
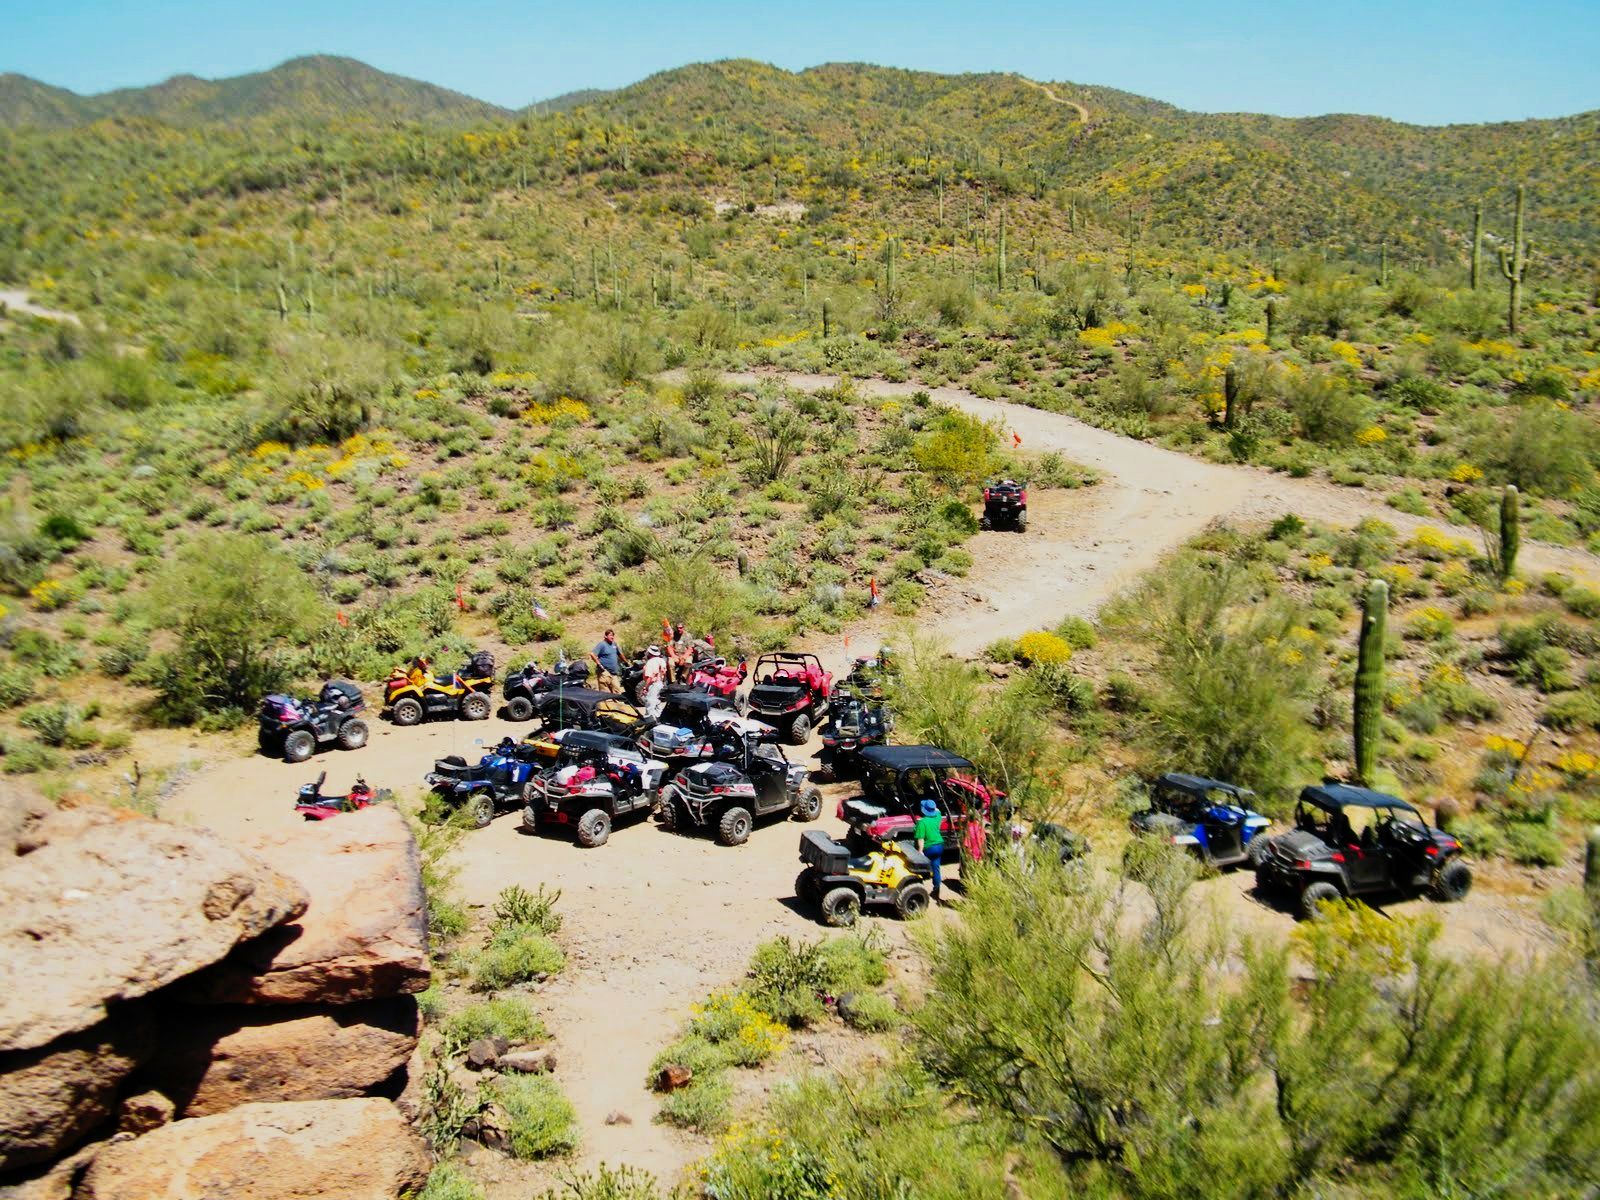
<point x="19" y="302"/>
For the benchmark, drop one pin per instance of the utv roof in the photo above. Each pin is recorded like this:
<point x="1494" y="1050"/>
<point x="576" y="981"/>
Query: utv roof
<point x="1331" y="797"/>
<point x="908" y="758"/>
<point x="694" y="700"/>
<point x="593" y="739"/>
<point x="1199" y="785"/>
<point x="783" y="656"/>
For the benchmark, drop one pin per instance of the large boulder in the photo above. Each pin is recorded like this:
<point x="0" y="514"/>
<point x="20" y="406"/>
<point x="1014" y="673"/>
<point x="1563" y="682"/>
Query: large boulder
<point x="317" y="1150"/>
<point x="213" y="1058"/>
<point x="106" y="906"/>
<point x="54" y="1096"/>
<point x="365" y="933"/>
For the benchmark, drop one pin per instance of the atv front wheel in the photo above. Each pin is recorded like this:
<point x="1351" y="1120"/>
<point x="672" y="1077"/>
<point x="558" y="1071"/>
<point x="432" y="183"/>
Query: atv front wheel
<point x="734" y="828"/>
<point x="594" y="827"/>
<point x="407" y="711"/>
<point x="806" y="886"/>
<point x="808" y="807"/>
<point x="669" y="809"/>
<point x="1314" y="895"/>
<point x="353" y="735"/>
<point x="800" y="730"/>
<point x="519" y="708"/>
<point x="841" y="907"/>
<point x="1257" y="851"/>
<point x="475" y="707"/>
<point x="911" y="900"/>
<point x="480" y="810"/>
<point x="741" y="703"/>
<point x="1452" y="883"/>
<point x="299" y="746"/>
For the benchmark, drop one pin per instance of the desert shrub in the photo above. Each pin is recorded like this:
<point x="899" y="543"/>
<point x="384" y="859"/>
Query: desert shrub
<point x="1077" y="633"/>
<point x="322" y="389"/>
<point x="1548" y="668"/>
<point x="1325" y="409"/>
<point x="955" y="448"/>
<point x="450" y="1181"/>
<point x="445" y="1109"/>
<point x="516" y="905"/>
<point x="606" y="1183"/>
<point x="702" y="1106"/>
<point x="1430" y="624"/>
<point x="510" y="1017"/>
<point x="540" y="1121"/>
<point x="872" y="1012"/>
<point x="1573" y="711"/>
<point x="515" y="954"/>
<point x="1533" y="844"/>
<point x="1582" y="602"/>
<point x="787" y="978"/>
<point x="235" y="604"/>
<point x="1041" y="648"/>
<point x="1545" y="448"/>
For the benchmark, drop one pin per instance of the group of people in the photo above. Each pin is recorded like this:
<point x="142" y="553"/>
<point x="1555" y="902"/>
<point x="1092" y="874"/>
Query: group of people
<point x="673" y="660"/>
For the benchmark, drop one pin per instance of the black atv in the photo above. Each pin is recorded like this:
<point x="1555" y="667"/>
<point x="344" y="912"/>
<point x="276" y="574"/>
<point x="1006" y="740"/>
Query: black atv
<point x="1355" y="842"/>
<point x="729" y="796"/>
<point x="854" y="723"/>
<point x="597" y="780"/>
<point x="496" y="781"/>
<point x="523" y="689"/>
<point x="296" y="726"/>
<point x="1005" y="506"/>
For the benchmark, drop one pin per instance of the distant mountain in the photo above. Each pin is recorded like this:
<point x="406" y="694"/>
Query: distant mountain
<point x="315" y="87"/>
<point x="570" y="100"/>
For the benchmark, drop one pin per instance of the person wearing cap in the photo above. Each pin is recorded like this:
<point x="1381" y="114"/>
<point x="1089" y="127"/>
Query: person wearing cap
<point x="651" y="681"/>
<point x="929" y="835"/>
<point x="680" y="651"/>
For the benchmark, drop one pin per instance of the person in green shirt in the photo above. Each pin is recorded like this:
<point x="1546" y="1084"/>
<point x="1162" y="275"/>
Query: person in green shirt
<point x="929" y="835"/>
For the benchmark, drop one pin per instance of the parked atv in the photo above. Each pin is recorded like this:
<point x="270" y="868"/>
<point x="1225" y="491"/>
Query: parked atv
<point x="587" y="708"/>
<point x="1207" y="818"/>
<point x="729" y="796"/>
<point x="523" y="688"/>
<point x="854" y="723"/>
<point x="696" y="727"/>
<point x="296" y="726"/>
<point x="840" y="884"/>
<point x="716" y="677"/>
<point x="1351" y="841"/>
<point x="409" y="696"/>
<point x="790" y="693"/>
<point x="314" y="806"/>
<point x="895" y="780"/>
<point x="598" y="779"/>
<point x="869" y="676"/>
<point x="1005" y="506"/>
<point x="494" y="782"/>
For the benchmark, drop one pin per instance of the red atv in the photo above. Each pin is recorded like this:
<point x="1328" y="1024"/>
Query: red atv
<point x="314" y="806"/>
<point x="894" y="782"/>
<point x="790" y="694"/>
<point x="715" y="677"/>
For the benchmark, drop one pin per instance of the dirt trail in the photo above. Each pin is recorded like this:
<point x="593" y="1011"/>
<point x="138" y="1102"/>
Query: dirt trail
<point x="18" y="302"/>
<point x="1083" y="113"/>
<point x="654" y="922"/>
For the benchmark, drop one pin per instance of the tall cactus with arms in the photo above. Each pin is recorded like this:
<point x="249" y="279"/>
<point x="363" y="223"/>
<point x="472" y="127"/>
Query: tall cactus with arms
<point x="1514" y="265"/>
<point x="1369" y="680"/>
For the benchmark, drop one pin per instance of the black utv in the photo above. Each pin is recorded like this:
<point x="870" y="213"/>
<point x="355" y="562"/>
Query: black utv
<point x="523" y="689"/>
<point x="728" y="796"/>
<point x="1355" y="842"/>
<point x="1005" y="505"/>
<point x="296" y="726"/>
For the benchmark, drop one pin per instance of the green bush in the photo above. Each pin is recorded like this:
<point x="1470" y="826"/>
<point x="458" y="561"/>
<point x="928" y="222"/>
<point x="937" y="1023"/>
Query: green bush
<point x="450" y="1181"/>
<point x="515" y="954"/>
<point x="703" y="1106"/>
<point x="871" y="1012"/>
<point x="1573" y="711"/>
<point x="540" y="1120"/>
<point x="510" y="1017"/>
<point x="607" y="1183"/>
<point x="1077" y="633"/>
<point x="536" y="909"/>
<point x="787" y="977"/>
<point x="1549" y="668"/>
<point x="1533" y="844"/>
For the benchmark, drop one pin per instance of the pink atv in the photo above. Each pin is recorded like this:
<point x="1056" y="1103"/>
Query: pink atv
<point x="715" y="677"/>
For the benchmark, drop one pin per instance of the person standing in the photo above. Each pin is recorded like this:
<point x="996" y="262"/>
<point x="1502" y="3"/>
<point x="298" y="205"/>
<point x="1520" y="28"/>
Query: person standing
<point x="607" y="659"/>
<point x="929" y="835"/>
<point x="681" y="651"/>
<point x="651" y="682"/>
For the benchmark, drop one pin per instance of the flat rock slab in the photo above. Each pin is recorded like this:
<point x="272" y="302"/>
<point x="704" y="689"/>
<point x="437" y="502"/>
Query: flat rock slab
<point x="109" y="906"/>
<point x="364" y="934"/>
<point x="317" y="1150"/>
<point x="214" y="1058"/>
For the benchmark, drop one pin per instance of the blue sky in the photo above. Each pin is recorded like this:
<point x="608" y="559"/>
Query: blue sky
<point x="1425" y="62"/>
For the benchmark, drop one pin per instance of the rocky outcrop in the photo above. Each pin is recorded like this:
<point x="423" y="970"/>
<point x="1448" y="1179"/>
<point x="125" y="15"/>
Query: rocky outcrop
<point x="109" y="906"/>
<point x="364" y="933"/>
<point x="53" y="1097"/>
<point x="214" y="1059"/>
<point x="315" y="1150"/>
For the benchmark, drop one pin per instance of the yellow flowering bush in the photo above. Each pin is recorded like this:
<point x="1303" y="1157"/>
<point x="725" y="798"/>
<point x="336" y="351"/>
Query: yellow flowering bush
<point x="1466" y="473"/>
<point x="270" y="450"/>
<point x="1437" y="545"/>
<point x="562" y="410"/>
<point x="1194" y="290"/>
<point x="1372" y="435"/>
<point x="1043" y="649"/>
<point x="1402" y="580"/>
<point x="1346" y="353"/>
<point x="1578" y="764"/>
<point x="1430" y="624"/>
<point x="728" y="1019"/>
<point x="1454" y="578"/>
<point x="49" y="594"/>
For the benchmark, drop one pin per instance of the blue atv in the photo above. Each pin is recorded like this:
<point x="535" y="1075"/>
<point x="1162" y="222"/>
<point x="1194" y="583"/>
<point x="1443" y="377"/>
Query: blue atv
<point x="1206" y="817"/>
<point x="495" y="782"/>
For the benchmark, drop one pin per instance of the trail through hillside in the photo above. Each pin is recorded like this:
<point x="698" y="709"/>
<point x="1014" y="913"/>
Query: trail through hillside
<point x="655" y="922"/>
<point x="1083" y="113"/>
<point x="19" y="302"/>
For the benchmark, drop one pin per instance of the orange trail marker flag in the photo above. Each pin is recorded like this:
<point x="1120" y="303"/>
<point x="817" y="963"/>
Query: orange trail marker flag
<point x="1016" y="439"/>
<point x="342" y="619"/>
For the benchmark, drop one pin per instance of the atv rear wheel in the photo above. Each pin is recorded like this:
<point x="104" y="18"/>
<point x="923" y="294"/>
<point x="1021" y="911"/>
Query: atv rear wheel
<point x="841" y="907"/>
<point x="1314" y="895"/>
<point x="799" y="730"/>
<point x="1452" y="883"/>
<point x="808" y="806"/>
<point x="806" y="886"/>
<point x="594" y="827"/>
<point x="911" y="900"/>
<point x="1257" y="851"/>
<point x="1022" y="521"/>
<point x="480" y="809"/>
<point x="407" y="711"/>
<point x="669" y="809"/>
<point x="734" y="828"/>
<point x="353" y="734"/>
<point x="984" y="522"/>
<point x="299" y="746"/>
<point x="519" y="708"/>
<point x="741" y="703"/>
<point x="475" y="706"/>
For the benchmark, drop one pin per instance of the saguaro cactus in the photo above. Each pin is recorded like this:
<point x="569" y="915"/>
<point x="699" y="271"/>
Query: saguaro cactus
<point x="1383" y="264"/>
<point x="1477" y="243"/>
<point x="1000" y="256"/>
<point x="1510" y="531"/>
<point x="1591" y="890"/>
<point x="1514" y="265"/>
<point x="1368" y="713"/>
<point x="1230" y="395"/>
<point x="1272" y="319"/>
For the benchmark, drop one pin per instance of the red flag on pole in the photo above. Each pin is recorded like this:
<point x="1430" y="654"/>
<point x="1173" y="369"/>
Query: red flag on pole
<point x="460" y="603"/>
<point x="1016" y="439"/>
<point x="872" y="586"/>
<point x="343" y="620"/>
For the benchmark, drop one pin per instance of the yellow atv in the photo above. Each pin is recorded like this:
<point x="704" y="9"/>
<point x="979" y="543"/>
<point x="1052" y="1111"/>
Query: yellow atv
<point x="411" y="695"/>
<point x="896" y="873"/>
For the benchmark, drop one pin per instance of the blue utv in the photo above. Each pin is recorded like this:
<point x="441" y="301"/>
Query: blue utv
<point x="1207" y="817"/>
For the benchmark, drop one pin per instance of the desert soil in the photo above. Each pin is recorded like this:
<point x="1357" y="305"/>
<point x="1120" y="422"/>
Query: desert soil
<point x="655" y="922"/>
<point x="19" y="302"/>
